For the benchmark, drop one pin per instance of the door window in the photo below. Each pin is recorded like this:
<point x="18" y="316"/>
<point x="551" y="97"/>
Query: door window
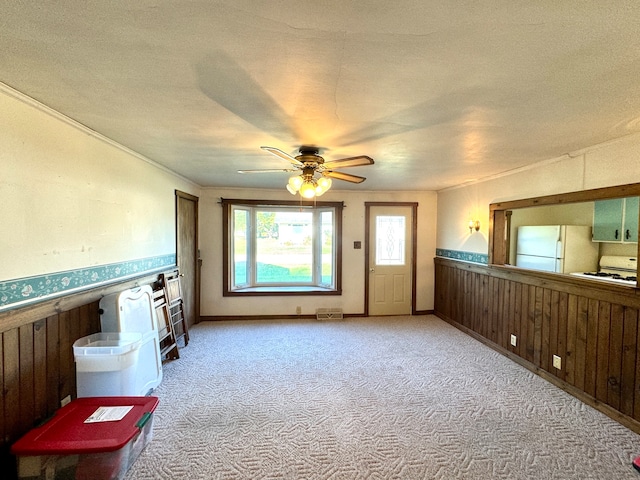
<point x="390" y="240"/>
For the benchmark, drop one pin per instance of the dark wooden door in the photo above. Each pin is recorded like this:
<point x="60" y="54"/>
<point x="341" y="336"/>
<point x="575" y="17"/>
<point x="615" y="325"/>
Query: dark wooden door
<point x="187" y="254"/>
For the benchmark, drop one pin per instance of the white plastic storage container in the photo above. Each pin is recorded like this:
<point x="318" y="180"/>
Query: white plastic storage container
<point x="128" y="311"/>
<point x="132" y="311"/>
<point x="107" y="364"/>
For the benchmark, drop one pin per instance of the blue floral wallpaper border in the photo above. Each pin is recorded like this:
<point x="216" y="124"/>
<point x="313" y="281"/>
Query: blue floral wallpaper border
<point x="18" y="292"/>
<point x="464" y="256"/>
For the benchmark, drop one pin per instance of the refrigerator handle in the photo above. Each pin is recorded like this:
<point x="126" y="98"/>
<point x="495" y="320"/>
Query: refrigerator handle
<point x="559" y="249"/>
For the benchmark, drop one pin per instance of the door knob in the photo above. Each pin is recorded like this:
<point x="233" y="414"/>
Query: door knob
<point x="372" y="270"/>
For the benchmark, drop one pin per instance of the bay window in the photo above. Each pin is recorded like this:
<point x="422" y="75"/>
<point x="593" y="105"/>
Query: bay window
<point x="281" y="248"/>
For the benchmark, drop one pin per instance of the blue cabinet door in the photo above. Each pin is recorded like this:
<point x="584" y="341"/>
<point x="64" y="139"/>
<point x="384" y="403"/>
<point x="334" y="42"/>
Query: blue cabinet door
<point x="607" y="220"/>
<point x="631" y="220"/>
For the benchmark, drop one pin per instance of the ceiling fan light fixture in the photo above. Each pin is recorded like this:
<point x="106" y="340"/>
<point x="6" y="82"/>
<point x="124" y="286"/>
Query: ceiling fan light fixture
<point x="325" y="183"/>
<point x="296" y="182"/>
<point x="319" y="190"/>
<point x="308" y="189"/>
<point x="291" y="190"/>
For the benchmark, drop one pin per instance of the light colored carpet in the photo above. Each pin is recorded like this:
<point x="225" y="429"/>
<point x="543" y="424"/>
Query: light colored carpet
<point x="371" y="398"/>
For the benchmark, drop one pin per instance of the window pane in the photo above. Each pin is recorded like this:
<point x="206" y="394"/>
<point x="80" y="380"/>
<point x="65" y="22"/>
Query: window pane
<point x="390" y="232"/>
<point x="326" y="222"/>
<point x="240" y="246"/>
<point x="284" y="250"/>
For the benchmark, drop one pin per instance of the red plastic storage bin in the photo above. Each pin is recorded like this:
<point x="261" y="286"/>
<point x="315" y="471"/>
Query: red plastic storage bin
<point x="67" y="447"/>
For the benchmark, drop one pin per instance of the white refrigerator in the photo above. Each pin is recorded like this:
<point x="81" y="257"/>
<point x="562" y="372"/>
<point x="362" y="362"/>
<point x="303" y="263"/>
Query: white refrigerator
<point x="556" y="248"/>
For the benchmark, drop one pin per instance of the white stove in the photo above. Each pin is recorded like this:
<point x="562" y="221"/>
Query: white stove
<point x="614" y="269"/>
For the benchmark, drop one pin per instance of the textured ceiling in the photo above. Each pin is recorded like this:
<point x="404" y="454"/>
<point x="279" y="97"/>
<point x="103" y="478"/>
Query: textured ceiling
<point x="438" y="93"/>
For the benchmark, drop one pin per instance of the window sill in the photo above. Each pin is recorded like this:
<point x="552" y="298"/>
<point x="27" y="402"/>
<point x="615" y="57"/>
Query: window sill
<point x="282" y="291"/>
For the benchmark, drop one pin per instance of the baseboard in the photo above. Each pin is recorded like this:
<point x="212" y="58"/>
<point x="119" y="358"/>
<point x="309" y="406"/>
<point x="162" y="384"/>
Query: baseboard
<point x="609" y="411"/>
<point x="222" y="318"/>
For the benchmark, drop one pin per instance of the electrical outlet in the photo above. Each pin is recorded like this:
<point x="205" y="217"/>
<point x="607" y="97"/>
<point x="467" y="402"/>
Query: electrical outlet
<point x="65" y="400"/>
<point x="298" y="310"/>
<point x="514" y="340"/>
<point x="557" y="362"/>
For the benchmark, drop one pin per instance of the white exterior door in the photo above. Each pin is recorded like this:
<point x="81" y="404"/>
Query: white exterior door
<point x="390" y="261"/>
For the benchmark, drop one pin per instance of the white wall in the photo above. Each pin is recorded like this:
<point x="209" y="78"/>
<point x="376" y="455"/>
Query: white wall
<point x="73" y="199"/>
<point x="352" y="298"/>
<point x="614" y="163"/>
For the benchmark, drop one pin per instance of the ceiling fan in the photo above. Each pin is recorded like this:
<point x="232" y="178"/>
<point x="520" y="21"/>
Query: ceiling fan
<point x="309" y="163"/>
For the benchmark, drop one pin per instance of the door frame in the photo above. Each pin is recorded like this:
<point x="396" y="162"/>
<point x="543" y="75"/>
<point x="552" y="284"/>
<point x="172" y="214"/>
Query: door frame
<point x="414" y="248"/>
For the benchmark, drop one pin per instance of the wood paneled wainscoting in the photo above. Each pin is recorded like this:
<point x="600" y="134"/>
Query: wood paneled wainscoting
<point x="592" y="326"/>
<point x="37" y="362"/>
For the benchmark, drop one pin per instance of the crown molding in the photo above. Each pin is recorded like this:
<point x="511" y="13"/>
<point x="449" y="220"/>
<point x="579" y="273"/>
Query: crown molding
<point x="27" y="100"/>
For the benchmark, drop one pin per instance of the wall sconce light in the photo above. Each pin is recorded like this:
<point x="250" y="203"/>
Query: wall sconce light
<point x="474" y="225"/>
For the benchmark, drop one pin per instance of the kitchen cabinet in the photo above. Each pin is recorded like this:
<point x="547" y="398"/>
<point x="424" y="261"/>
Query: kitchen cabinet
<point x="616" y="220"/>
<point x="631" y="220"/>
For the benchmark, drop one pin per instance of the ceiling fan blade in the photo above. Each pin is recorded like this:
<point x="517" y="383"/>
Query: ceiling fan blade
<point x="349" y="162"/>
<point x="271" y="170"/>
<point x="344" y="176"/>
<point x="279" y="153"/>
